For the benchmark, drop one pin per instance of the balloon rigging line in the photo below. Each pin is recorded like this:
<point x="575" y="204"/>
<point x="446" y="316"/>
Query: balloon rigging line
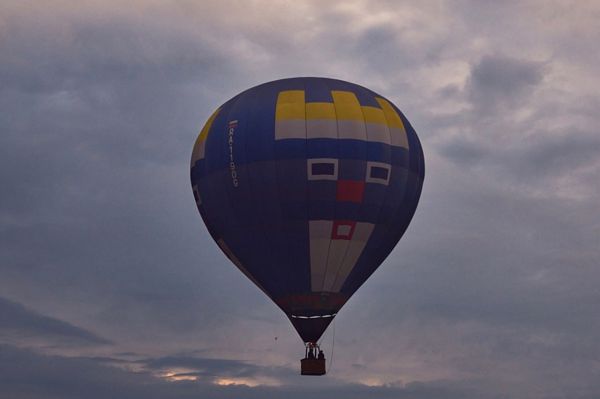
<point x="332" y="347"/>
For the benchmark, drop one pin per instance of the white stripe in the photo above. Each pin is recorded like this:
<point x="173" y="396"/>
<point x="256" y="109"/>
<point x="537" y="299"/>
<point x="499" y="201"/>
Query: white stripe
<point x="351" y="130"/>
<point x="337" y="251"/>
<point x="378" y="132"/>
<point x="362" y="233"/>
<point x="321" y="128"/>
<point x="331" y="129"/>
<point x="399" y="138"/>
<point x="290" y="129"/>
<point x="320" y="236"/>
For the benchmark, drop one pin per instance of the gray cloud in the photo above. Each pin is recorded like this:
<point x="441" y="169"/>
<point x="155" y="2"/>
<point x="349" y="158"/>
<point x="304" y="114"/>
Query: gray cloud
<point x="498" y="79"/>
<point x="464" y="151"/>
<point x="22" y="323"/>
<point x="25" y="374"/>
<point x="498" y="85"/>
<point x="492" y="293"/>
<point x="201" y="366"/>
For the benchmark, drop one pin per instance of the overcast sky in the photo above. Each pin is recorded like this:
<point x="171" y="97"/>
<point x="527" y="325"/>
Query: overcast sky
<point x="110" y="286"/>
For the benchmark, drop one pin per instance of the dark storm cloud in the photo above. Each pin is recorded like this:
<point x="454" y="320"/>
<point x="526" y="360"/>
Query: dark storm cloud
<point x="22" y="323"/>
<point x="498" y="88"/>
<point x="463" y="151"/>
<point x="86" y="54"/>
<point x="492" y="293"/>
<point x="24" y="374"/>
<point x="96" y="133"/>
<point x="202" y="366"/>
<point x="500" y="80"/>
<point x="552" y="155"/>
<point x="102" y="79"/>
<point x="541" y="157"/>
<point x="513" y="245"/>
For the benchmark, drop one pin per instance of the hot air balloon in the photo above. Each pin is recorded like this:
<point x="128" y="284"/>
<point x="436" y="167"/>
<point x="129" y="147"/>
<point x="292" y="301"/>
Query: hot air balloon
<point x="306" y="185"/>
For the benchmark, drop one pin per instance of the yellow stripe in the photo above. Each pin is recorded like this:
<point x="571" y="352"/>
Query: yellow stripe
<point x="391" y="116"/>
<point x="204" y="132"/>
<point x="347" y="106"/>
<point x="290" y="105"/>
<point x="320" y="111"/>
<point x="374" y="115"/>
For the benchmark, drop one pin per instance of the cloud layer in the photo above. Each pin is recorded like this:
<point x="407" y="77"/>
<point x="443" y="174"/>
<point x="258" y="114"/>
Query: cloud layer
<point x="110" y="281"/>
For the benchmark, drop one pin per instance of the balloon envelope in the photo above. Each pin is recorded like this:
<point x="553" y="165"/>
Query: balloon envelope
<point x="307" y="184"/>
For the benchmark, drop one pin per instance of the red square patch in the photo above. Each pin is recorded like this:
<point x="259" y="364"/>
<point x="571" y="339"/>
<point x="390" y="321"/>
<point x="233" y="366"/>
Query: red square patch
<point x="350" y="190"/>
<point x="342" y="229"/>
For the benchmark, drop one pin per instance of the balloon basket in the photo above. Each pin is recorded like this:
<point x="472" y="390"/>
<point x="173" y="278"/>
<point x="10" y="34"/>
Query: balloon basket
<point x="314" y="360"/>
<point x="312" y="366"/>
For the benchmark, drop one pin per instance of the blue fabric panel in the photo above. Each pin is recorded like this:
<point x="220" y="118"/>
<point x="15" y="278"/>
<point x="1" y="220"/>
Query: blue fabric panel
<point x="321" y="190"/>
<point x="216" y="202"/>
<point x="321" y="203"/>
<point x="416" y="163"/>
<point x="348" y="210"/>
<point x="207" y="217"/>
<point x="373" y="198"/>
<point x="289" y="84"/>
<point x="322" y="148"/>
<point x="336" y="84"/>
<point x="240" y="230"/>
<point x="344" y="148"/>
<point x="352" y="169"/>
<point x="265" y="204"/>
<point x="260" y="142"/>
<point x="294" y="240"/>
<point x="379" y="152"/>
<point x="393" y="196"/>
<point x="396" y="188"/>
<point x="243" y="238"/>
<point x="292" y="148"/>
<point x="264" y="182"/>
<point x="399" y="156"/>
<point x="293" y="188"/>
<point x="246" y="244"/>
<point x="411" y="197"/>
<point x="364" y="266"/>
<point x="216" y="153"/>
<point x="213" y="186"/>
<point x="400" y="222"/>
<point x="352" y="149"/>
<point x="321" y="209"/>
<point x="235" y="137"/>
<point x="197" y="171"/>
<point x="369" y="212"/>
<point x="316" y="92"/>
<point x="365" y="97"/>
